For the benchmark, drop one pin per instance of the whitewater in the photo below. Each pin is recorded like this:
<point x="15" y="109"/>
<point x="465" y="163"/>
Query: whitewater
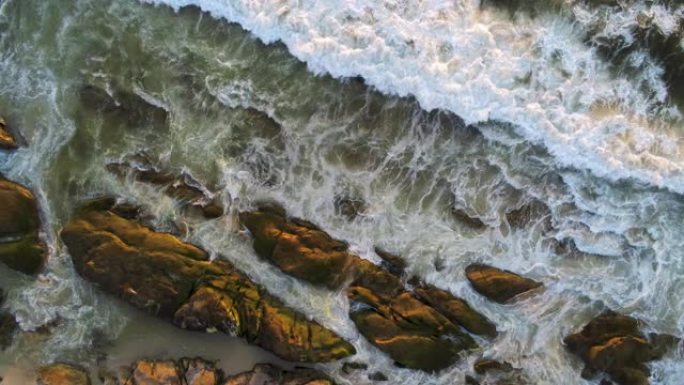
<point x="535" y="73"/>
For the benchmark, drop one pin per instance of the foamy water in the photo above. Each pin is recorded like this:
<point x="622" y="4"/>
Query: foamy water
<point x="339" y="138"/>
<point x="534" y="73"/>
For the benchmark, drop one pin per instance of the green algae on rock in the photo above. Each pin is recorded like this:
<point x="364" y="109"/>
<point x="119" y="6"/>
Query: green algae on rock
<point x="20" y="245"/>
<point x="496" y="284"/>
<point x="161" y="274"/>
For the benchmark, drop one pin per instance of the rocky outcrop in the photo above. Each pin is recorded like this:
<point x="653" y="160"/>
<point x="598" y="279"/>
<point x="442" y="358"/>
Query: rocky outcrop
<point x="496" y="284"/>
<point x="161" y="274"/>
<point x="457" y="311"/>
<point x="183" y="188"/>
<point x="20" y="246"/>
<point x="612" y="343"/>
<point x="7" y="141"/>
<point x="420" y="330"/>
<point x="414" y="334"/>
<point x="264" y="374"/>
<point x="62" y="374"/>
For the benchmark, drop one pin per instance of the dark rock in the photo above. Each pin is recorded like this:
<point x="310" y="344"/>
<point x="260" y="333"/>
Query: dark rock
<point x="265" y="374"/>
<point x="124" y="106"/>
<point x="350" y="208"/>
<point x="62" y="374"/>
<point x="413" y="334"/>
<point x="167" y="277"/>
<point x="612" y="343"/>
<point x="471" y="381"/>
<point x="463" y="217"/>
<point x="496" y="284"/>
<point x="20" y="246"/>
<point x="391" y="262"/>
<point x="184" y="188"/>
<point x="7" y="141"/>
<point x="484" y="365"/>
<point x="8" y="326"/>
<point x="533" y="211"/>
<point x="378" y="377"/>
<point x="349" y="367"/>
<point x="457" y="311"/>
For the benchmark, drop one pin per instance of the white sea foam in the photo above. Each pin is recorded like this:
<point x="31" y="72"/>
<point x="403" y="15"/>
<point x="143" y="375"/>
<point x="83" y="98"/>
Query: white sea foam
<point x="537" y="74"/>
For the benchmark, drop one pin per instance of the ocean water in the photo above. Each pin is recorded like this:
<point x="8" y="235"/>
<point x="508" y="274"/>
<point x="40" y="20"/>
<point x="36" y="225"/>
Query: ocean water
<point x="555" y="123"/>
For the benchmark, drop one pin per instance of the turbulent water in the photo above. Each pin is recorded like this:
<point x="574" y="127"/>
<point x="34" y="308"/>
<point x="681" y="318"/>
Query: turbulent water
<point x="555" y="124"/>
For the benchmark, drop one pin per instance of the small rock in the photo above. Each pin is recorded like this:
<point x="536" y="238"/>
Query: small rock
<point x="7" y="141"/>
<point x="530" y="212"/>
<point x="62" y="374"/>
<point x="378" y="377"/>
<point x="496" y="284"/>
<point x="350" y="208"/>
<point x="391" y="262"/>
<point x="485" y="365"/>
<point x="349" y="367"/>
<point x="472" y="222"/>
<point x="266" y="374"/>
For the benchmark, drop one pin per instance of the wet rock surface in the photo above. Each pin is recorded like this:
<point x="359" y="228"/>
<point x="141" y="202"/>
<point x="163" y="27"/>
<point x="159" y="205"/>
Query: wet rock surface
<point x="468" y="220"/>
<point x="20" y="245"/>
<point x="62" y="374"/>
<point x="186" y="371"/>
<point x="496" y="284"/>
<point x="7" y="141"/>
<point x="184" y="188"/>
<point x="533" y="212"/>
<point x="159" y="273"/>
<point x="457" y="311"/>
<point x="414" y="334"/>
<point x="612" y="343"/>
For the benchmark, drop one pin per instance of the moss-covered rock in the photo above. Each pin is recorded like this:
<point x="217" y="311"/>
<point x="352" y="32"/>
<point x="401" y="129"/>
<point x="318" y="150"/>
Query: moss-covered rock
<point x="20" y="245"/>
<point x="413" y="334"/>
<point x="161" y="274"/>
<point x="62" y="374"/>
<point x="612" y="343"/>
<point x="7" y="141"/>
<point x="496" y="284"/>
<point x="457" y="311"/>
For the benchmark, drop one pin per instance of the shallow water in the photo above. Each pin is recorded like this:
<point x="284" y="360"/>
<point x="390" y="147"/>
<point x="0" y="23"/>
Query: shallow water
<point x="339" y="137"/>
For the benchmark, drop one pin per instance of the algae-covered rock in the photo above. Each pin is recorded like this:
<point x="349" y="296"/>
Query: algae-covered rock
<point x="266" y="374"/>
<point x="457" y="311"/>
<point x="7" y="141"/>
<point x="161" y="274"/>
<point x="496" y="284"/>
<point x="20" y="246"/>
<point x="613" y="343"/>
<point x="62" y="374"/>
<point x="413" y="334"/>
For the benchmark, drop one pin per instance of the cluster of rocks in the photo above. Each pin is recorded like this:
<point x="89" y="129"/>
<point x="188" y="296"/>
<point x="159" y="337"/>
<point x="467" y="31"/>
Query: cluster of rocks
<point x="174" y="280"/>
<point x="186" y="371"/>
<point x="419" y="327"/>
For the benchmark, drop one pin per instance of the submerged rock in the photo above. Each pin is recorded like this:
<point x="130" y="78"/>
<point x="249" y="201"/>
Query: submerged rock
<point x="529" y="213"/>
<point x="472" y="222"/>
<point x="266" y="374"/>
<point x="8" y="325"/>
<point x="183" y="188"/>
<point x="457" y="311"/>
<point x="62" y="374"/>
<point x="496" y="284"/>
<point x="612" y="343"/>
<point x="7" y="141"/>
<point x="350" y="208"/>
<point x="391" y="262"/>
<point x="161" y="274"/>
<point x="20" y="246"/>
<point x="414" y="334"/>
<point x="485" y="365"/>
